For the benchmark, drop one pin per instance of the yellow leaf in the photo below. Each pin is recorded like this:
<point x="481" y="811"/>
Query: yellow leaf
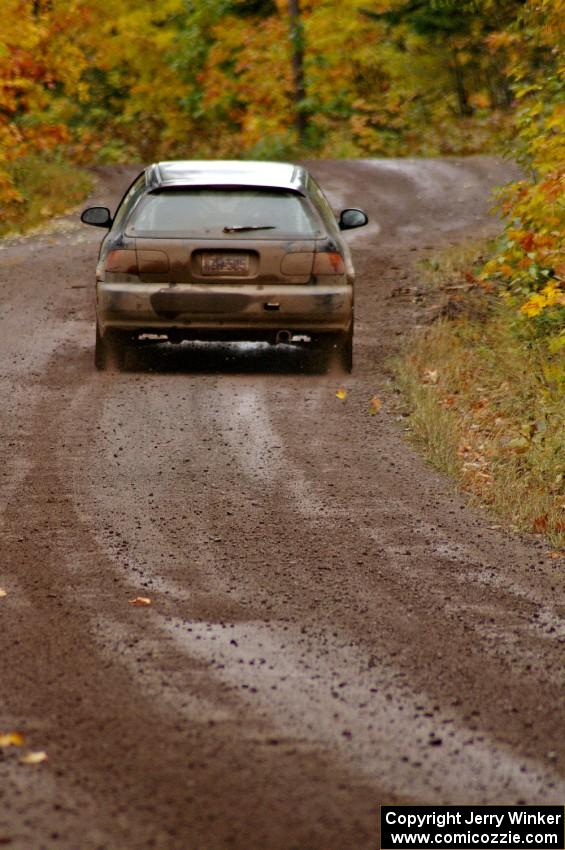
<point x="2" y="593"/>
<point x="34" y="758"/>
<point x="140" y="600"/>
<point x="12" y="739"/>
<point x="557" y="343"/>
<point x="375" y="405"/>
<point x="341" y="394"/>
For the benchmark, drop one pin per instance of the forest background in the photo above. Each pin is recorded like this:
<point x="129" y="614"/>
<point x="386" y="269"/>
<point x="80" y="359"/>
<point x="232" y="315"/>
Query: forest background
<point x="87" y="82"/>
<point x="102" y="81"/>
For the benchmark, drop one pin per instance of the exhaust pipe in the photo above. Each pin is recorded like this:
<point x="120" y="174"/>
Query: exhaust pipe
<point x="284" y="337"/>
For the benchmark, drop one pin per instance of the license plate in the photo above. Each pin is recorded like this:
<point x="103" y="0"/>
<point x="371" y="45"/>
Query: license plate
<point x="218" y="264"/>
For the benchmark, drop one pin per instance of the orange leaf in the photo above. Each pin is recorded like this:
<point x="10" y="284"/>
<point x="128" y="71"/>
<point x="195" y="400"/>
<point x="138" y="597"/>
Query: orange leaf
<point x="12" y="739"/>
<point x="375" y="405"/>
<point x="140" y="600"/>
<point x="540" y="524"/>
<point x="527" y="241"/>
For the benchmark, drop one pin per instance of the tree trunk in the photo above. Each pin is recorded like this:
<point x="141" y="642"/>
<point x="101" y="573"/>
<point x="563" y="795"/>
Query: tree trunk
<point x="297" y="47"/>
<point x="464" y="108"/>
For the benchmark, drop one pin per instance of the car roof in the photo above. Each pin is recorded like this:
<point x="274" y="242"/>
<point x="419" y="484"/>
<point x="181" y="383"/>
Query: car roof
<point x="193" y="173"/>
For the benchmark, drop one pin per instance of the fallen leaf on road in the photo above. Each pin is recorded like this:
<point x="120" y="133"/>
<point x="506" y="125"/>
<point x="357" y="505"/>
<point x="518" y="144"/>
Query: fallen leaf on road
<point x="140" y="600"/>
<point x="375" y="405"/>
<point x="341" y="394"/>
<point x="12" y="739"/>
<point x="2" y="593"/>
<point x="34" y="758"/>
<point x="556" y="555"/>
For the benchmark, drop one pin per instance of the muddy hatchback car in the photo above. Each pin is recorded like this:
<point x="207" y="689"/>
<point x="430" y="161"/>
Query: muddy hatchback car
<point x="224" y="251"/>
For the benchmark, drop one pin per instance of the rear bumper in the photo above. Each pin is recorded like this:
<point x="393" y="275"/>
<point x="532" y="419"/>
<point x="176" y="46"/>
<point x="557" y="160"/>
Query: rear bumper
<point x="222" y="311"/>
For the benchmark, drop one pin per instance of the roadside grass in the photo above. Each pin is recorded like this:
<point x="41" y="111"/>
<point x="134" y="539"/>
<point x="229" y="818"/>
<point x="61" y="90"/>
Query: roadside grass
<point x="47" y="187"/>
<point x="486" y="399"/>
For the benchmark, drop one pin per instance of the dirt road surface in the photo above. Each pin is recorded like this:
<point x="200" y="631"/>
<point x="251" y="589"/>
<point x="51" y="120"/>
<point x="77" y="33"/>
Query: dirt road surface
<point x="331" y="626"/>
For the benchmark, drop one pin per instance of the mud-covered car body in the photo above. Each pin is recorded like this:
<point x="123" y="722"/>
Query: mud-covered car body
<point x="224" y="250"/>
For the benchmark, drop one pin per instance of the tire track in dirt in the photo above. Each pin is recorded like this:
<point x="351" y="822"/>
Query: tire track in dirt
<point x="88" y="681"/>
<point x="267" y="520"/>
<point x="306" y="580"/>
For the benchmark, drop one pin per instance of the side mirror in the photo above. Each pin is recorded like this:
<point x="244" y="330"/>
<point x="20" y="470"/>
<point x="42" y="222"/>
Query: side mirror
<point x="97" y="216"/>
<point x="350" y="219"/>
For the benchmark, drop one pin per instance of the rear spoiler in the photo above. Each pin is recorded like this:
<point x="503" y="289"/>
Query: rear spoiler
<point x="155" y="182"/>
<point x="184" y="187"/>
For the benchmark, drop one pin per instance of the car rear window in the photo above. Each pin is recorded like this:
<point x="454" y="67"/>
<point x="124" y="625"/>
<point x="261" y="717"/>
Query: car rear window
<point x="260" y="214"/>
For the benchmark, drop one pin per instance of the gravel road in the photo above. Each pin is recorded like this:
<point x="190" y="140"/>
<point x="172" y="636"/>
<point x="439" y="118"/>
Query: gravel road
<point x="331" y="625"/>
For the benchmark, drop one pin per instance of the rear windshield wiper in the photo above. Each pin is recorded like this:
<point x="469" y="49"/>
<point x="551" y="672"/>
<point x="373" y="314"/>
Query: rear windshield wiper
<point x="239" y="228"/>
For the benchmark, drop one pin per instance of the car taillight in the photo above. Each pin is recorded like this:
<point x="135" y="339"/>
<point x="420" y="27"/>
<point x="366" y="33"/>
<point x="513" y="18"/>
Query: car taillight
<point x="328" y="262"/>
<point x="122" y="260"/>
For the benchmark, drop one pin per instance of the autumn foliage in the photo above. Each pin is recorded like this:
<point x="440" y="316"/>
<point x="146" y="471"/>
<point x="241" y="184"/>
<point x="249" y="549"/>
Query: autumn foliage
<point x="529" y="265"/>
<point x="40" y="59"/>
<point x="115" y="80"/>
<point x="385" y="77"/>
